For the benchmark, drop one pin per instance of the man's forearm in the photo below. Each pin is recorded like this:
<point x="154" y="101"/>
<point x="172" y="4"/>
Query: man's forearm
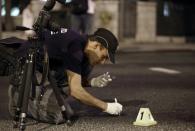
<point x="81" y="94"/>
<point x="77" y="91"/>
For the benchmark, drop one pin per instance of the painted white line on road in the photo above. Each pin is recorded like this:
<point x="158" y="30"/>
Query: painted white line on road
<point x="164" y="70"/>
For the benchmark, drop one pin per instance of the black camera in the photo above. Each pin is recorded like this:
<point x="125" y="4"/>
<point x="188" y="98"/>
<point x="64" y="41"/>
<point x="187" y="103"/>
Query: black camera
<point x="43" y="20"/>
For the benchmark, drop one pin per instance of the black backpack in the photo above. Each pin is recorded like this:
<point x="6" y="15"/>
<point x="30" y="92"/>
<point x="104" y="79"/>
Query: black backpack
<point x="8" y="55"/>
<point x="79" y="7"/>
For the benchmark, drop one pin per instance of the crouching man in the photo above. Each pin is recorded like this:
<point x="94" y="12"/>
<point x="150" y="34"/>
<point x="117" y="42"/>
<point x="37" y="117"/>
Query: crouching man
<point x="73" y="56"/>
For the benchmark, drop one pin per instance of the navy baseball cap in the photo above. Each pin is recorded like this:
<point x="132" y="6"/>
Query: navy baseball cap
<point x="108" y="40"/>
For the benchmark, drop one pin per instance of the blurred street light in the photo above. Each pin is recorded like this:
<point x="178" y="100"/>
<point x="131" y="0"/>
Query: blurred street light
<point x="166" y="11"/>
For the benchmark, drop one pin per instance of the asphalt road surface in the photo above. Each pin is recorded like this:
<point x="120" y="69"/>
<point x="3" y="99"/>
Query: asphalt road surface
<point x="164" y="82"/>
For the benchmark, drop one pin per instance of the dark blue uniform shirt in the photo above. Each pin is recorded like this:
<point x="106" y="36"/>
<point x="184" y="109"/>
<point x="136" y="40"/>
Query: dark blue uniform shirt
<point x="66" y="52"/>
<point x="67" y="48"/>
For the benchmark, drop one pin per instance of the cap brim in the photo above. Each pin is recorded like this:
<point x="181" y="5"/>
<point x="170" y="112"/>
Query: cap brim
<point x="111" y="57"/>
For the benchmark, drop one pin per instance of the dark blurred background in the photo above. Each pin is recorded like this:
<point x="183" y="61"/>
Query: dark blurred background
<point x="171" y="20"/>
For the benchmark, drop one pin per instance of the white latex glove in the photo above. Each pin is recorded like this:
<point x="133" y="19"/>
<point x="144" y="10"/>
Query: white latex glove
<point x="114" y="108"/>
<point x="101" y="81"/>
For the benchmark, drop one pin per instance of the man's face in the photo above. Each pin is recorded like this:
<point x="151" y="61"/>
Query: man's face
<point x="97" y="54"/>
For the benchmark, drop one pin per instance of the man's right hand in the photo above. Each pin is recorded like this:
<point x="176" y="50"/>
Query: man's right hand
<point x="114" y="108"/>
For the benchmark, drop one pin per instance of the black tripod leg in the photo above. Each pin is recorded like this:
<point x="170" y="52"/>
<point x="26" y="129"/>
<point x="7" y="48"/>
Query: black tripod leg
<point x="27" y="87"/>
<point x="34" y="80"/>
<point x="67" y="111"/>
<point x="20" y="97"/>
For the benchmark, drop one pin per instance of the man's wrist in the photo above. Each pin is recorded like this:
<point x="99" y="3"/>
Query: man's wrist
<point x="104" y="106"/>
<point x="92" y="82"/>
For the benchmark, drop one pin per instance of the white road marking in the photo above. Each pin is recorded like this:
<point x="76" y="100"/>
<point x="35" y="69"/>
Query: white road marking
<point x="164" y="70"/>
